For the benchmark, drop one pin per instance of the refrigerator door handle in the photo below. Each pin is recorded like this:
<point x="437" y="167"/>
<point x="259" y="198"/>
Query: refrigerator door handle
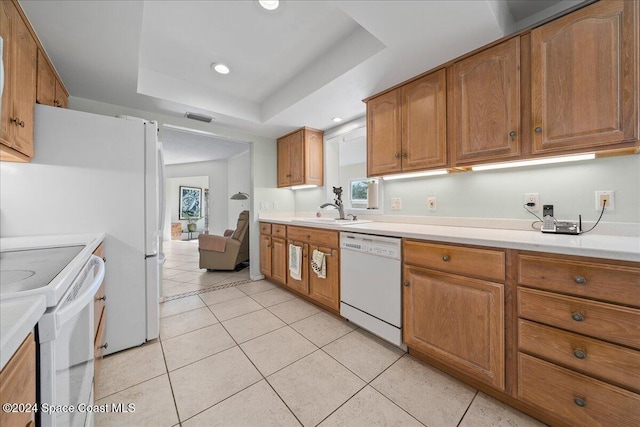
<point x="161" y="191"/>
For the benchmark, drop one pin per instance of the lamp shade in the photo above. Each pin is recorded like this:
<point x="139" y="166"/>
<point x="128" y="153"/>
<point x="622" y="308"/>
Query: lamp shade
<point x="239" y="196"/>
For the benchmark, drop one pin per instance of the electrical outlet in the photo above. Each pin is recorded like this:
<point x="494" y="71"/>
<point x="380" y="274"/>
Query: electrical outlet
<point x="396" y="203"/>
<point x="602" y="196"/>
<point x="532" y="198"/>
<point x="264" y="206"/>
<point x="276" y="205"/>
<point x="432" y="204"/>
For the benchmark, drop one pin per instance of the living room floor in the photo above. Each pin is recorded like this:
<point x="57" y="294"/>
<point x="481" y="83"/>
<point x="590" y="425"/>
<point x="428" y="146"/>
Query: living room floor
<point x="235" y="352"/>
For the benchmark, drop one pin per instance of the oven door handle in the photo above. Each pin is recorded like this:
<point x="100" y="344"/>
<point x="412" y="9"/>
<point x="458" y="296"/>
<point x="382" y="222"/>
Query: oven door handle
<point x="80" y="302"/>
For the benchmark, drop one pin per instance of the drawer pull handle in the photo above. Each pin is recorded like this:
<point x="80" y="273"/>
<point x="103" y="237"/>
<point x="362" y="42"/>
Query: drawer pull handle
<point x="579" y="354"/>
<point x="580" y="402"/>
<point x="578" y="317"/>
<point x="580" y="280"/>
<point x="405" y="284"/>
<point x="445" y="258"/>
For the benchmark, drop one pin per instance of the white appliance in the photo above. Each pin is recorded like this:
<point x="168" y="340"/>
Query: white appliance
<point x="370" y="288"/>
<point x="95" y="173"/>
<point x="65" y="334"/>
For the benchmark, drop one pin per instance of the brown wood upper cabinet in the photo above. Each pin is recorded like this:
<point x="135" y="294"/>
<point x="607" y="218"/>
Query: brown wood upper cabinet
<point x="485" y="115"/>
<point x="49" y="90"/>
<point x="406" y="127"/>
<point x="584" y="79"/>
<point x="20" y="58"/>
<point x="300" y="158"/>
<point x="29" y="77"/>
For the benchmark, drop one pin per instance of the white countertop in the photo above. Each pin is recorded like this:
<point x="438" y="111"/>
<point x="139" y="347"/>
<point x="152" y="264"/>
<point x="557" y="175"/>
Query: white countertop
<point x="622" y="248"/>
<point x="18" y="317"/>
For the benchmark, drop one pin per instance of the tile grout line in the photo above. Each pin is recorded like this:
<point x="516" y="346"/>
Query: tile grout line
<point x="173" y="395"/>
<point x="468" y="407"/>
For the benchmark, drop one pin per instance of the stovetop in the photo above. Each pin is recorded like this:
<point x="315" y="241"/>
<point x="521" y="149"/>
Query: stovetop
<point x="28" y="269"/>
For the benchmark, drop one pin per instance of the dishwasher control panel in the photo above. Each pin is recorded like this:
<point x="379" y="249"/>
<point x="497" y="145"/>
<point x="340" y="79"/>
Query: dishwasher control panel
<point x="388" y="247"/>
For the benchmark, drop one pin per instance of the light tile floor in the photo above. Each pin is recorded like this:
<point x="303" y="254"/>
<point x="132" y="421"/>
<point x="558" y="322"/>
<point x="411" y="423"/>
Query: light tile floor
<point x="254" y="354"/>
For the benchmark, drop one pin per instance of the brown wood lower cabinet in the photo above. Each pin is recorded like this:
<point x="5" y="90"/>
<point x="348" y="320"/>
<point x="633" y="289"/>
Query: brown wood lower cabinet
<point x="274" y="261"/>
<point x="457" y="320"/>
<point x="18" y="384"/>
<point x="100" y="323"/>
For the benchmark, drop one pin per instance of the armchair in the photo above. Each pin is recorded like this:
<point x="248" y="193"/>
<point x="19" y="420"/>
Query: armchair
<point x="225" y="252"/>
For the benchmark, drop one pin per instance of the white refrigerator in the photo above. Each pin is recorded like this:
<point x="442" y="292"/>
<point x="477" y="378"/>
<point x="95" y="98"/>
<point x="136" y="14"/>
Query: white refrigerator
<point x="95" y="173"/>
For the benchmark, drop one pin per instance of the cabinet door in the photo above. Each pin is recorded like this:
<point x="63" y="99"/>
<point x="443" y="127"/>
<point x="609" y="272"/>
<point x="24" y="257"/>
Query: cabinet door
<point x="584" y="78"/>
<point x="265" y="255"/>
<point x="279" y="260"/>
<point x="485" y="91"/>
<point x="301" y="285"/>
<point x="18" y="383"/>
<point x="313" y="147"/>
<point x="384" y="134"/>
<point x="24" y="59"/>
<point x="326" y="291"/>
<point x="6" y="25"/>
<point x="424" y="123"/>
<point x="297" y="158"/>
<point x="46" y="90"/>
<point x="457" y="320"/>
<point x="284" y="171"/>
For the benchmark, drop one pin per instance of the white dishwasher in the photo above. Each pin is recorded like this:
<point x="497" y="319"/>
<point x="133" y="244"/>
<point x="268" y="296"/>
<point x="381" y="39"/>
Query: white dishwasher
<point x="370" y="288"/>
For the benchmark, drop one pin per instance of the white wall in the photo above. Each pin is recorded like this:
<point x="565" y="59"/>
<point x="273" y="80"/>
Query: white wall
<point x="215" y="173"/>
<point x="570" y="187"/>
<point x="239" y="179"/>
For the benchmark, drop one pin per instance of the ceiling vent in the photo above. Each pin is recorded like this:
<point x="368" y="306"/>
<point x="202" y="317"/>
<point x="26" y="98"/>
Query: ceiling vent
<point x="199" y="117"/>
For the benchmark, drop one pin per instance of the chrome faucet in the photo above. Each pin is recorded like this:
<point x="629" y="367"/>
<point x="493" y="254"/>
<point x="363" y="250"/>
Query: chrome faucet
<point x="337" y="206"/>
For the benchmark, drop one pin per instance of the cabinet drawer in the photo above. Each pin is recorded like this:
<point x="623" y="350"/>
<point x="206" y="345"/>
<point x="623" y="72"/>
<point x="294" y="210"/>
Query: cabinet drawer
<point x="279" y="230"/>
<point x="608" y="362"/>
<point x="606" y="321"/>
<point x="484" y="263"/>
<point x="265" y="228"/>
<point x="321" y="237"/>
<point x="615" y="283"/>
<point x="580" y="400"/>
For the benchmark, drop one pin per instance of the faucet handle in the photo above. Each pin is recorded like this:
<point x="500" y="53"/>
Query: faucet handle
<point x="355" y="218"/>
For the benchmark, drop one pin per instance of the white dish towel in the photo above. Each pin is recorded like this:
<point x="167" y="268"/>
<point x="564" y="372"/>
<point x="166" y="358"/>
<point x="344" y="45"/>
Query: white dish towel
<point x="319" y="263"/>
<point x="295" y="254"/>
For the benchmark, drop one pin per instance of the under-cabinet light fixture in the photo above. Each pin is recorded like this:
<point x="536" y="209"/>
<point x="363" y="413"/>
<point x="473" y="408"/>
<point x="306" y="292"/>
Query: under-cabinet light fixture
<point x="300" y="187"/>
<point x="415" y="174"/>
<point x="337" y="119"/>
<point x="534" y="162"/>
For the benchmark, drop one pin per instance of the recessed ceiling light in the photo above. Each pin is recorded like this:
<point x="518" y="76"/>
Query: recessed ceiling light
<point x="269" y="4"/>
<point x="220" y="68"/>
<point x="337" y="119"/>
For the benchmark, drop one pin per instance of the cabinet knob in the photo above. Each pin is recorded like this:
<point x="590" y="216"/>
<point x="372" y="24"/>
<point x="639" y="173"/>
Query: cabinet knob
<point x="56" y="102"/>
<point x="104" y="259"/>
<point x="538" y="129"/>
<point x="513" y="134"/>
<point x="102" y="298"/>
<point x="403" y="154"/>
<point x="580" y="402"/>
<point x="405" y="284"/>
<point x="446" y="258"/>
<point x="18" y="122"/>
<point x="104" y="346"/>
<point x="397" y="155"/>
<point x="579" y="354"/>
<point x="578" y="317"/>
<point x="580" y="280"/>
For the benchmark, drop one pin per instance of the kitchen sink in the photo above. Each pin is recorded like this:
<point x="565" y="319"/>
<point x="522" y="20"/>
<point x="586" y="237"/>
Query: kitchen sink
<point x="331" y="221"/>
